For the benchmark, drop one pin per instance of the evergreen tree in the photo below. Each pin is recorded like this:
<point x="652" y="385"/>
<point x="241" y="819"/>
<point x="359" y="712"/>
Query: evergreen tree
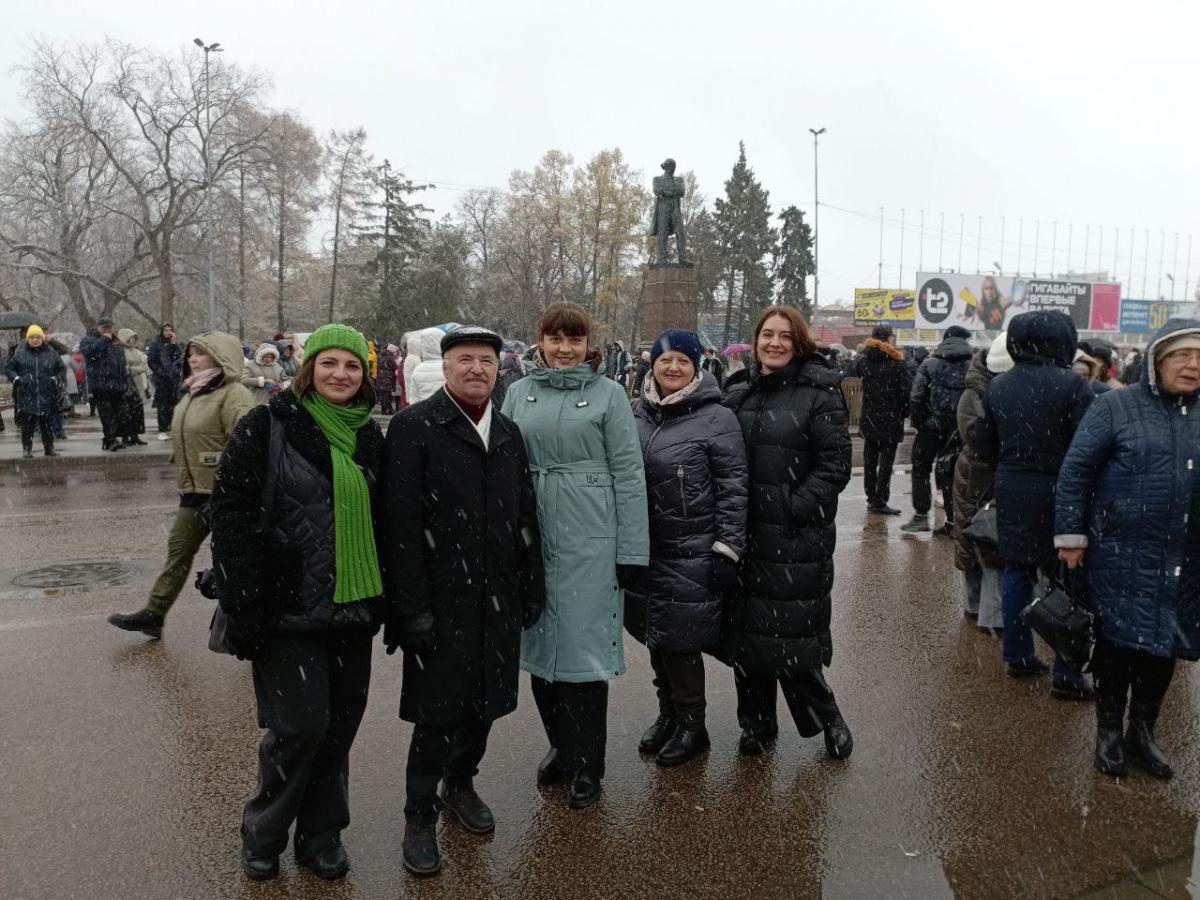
<point x="793" y="261"/>
<point x="395" y="229"/>
<point x="743" y="225"/>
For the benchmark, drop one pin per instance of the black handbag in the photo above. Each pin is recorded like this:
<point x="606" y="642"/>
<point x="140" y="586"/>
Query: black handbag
<point x="1059" y="614"/>
<point x="218" y="626"/>
<point x="983" y="526"/>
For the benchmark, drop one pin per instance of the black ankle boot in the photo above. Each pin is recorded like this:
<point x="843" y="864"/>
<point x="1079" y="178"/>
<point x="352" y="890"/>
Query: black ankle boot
<point x="331" y="864"/>
<point x="688" y="742"/>
<point x="657" y="734"/>
<point x="421" y="854"/>
<point x="549" y="771"/>
<point x="460" y="799"/>
<point x="258" y="866"/>
<point x="839" y="743"/>
<point x="143" y="620"/>
<point x="1110" y="751"/>
<point x="754" y="743"/>
<point x="584" y="789"/>
<point x="1146" y="754"/>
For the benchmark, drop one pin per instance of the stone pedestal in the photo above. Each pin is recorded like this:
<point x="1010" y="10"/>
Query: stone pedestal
<point x="670" y="301"/>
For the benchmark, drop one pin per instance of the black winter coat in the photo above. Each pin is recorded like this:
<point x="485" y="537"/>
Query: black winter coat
<point x="1029" y="418"/>
<point x="462" y="543"/>
<point x="35" y="375"/>
<point x="1129" y="491"/>
<point x="798" y="446"/>
<point x="696" y="486"/>
<point x="948" y="362"/>
<point x="886" y="383"/>
<point x="282" y="578"/>
<point x="165" y="359"/>
<point x="974" y="478"/>
<point x="104" y="361"/>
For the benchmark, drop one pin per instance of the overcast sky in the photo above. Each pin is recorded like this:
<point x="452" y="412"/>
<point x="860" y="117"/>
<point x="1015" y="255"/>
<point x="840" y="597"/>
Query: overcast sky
<point x="1080" y="112"/>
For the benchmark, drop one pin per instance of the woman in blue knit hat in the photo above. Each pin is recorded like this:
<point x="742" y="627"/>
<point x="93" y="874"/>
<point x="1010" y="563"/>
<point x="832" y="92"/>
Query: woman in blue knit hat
<point x="697" y="486"/>
<point x="293" y="542"/>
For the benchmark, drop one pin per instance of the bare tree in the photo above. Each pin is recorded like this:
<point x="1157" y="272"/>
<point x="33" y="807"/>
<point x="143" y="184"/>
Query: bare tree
<point x="347" y="169"/>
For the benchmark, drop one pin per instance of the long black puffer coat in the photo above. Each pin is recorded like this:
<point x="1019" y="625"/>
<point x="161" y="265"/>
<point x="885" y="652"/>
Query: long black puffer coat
<point x="282" y="578"/>
<point x="1029" y="418"/>
<point x="696" y="485"/>
<point x="974" y="478"/>
<point x="886" y="382"/>
<point x="35" y="373"/>
<point x="798" y="446"/>
<point x="104" y="360"/>
<point x="1129" y="492"/>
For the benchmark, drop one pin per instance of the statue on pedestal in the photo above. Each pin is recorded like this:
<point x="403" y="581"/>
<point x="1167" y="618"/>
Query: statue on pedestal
<point x="668" y="214"/>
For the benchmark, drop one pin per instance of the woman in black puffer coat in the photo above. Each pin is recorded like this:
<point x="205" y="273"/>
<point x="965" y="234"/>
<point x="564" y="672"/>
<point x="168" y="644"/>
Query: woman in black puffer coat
<point x="776" y="631"/>
<point x="696" y="484"/>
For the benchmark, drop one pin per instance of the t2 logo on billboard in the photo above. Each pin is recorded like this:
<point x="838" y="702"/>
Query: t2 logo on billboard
<point x="935" y="301"/>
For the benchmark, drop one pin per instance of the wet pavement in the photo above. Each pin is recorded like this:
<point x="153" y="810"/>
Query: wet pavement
<point x="124" y="762"/>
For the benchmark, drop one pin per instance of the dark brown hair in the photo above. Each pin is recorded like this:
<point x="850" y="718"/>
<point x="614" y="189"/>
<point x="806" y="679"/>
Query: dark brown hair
<point x="302" y="384"/>
<point x="568" y="318"/>
<point x="802" y="338"/>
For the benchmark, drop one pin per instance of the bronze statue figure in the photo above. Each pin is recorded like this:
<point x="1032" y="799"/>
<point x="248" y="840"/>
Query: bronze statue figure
<point x="668" y="213"/>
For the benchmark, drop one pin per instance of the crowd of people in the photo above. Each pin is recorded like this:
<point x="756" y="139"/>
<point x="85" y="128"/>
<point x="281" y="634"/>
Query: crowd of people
<point x="530" y="506"/>
<point x="1054" y="462"/>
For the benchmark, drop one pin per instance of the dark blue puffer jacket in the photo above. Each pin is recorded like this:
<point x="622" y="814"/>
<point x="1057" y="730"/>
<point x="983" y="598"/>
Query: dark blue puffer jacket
<point x="1029" y="417"/>
<point x="105" y="364"/>
<point x="1128" y="492"/>
<point x="35" y="374"/>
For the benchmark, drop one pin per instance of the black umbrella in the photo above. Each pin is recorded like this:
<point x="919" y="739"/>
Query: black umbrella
<point x="16" y="320"/>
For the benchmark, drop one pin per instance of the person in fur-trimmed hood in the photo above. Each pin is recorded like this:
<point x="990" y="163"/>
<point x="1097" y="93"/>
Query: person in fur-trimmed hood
<point x="885" y="386"/>
<point x="263" y="374"/>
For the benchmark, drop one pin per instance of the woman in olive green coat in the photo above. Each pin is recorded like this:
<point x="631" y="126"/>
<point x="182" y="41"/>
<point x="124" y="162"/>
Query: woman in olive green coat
<point x="590" y="483"/>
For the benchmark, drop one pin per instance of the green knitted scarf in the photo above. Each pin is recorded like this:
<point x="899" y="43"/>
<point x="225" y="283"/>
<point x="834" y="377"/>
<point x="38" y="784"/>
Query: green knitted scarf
<point x="356" y="560"/>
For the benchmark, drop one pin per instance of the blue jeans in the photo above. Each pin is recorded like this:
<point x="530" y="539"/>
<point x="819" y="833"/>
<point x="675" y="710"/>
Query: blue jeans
<point x="1016" y="592"/>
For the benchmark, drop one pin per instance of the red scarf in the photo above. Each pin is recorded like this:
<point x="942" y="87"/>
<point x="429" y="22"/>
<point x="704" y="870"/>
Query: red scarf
<point x="474" y="411"/>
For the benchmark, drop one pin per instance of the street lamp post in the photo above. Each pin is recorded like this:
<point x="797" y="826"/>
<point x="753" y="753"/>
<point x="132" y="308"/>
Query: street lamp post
<point x="214" y="47"/>
<point x="816" y="133"/>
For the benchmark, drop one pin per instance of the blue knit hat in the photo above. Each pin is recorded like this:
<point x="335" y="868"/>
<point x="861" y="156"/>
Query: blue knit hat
<point x="685" y="342"/>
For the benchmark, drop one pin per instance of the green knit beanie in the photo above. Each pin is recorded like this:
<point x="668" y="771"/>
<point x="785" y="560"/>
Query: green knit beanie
<point x="336" y="337"/>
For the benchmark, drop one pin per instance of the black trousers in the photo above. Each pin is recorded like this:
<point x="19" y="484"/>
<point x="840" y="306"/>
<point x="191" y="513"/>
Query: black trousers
<point x="166" y="395"/>
<point x="878" y="459"/>
<point x="451" y="752"/>
<point x="1119" y="672"/>
<point x="41" y="424"/>
<point x="575" y="716"/>
<point x="926" y="447"/>
<point x="679" y="681"/>
<point x="311" y="690"/>
<point x="111" y="407"/>
<point x="808" y="696"/>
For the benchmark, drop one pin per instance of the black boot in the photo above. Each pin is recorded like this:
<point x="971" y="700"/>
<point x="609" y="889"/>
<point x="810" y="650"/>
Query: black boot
<point x="839" y="743"/>
<point x="470" y="810"/>
<point x="27" y="453"/>
<point x="1112" y="689"/>
<point x="657" y="734"/>
<point x="584" y="789"/>
<point x="259" y="867"/>
<point x="331" y="864"/>
<point x="143" y="620"/>
<point x="1110" y="751"/>
<point x="549" y="771"/>
<point x="754" y="743"/>
<point x="1144" y="752"/>
<point x="689" y="741"/>
<point x="421" y="854"/>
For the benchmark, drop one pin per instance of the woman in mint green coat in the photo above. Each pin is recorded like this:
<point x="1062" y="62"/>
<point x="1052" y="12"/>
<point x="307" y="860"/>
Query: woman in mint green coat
<point x="586" y="463"/>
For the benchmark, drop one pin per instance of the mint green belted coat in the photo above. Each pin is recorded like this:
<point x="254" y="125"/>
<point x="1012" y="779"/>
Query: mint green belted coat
<point x="590" y="483"/>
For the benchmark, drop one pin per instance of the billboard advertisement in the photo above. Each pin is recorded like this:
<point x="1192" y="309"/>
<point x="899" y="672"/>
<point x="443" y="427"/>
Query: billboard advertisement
<point x="884" y="307"/>
<point x="988" y="302"/>
<point x="1144" y="316"/>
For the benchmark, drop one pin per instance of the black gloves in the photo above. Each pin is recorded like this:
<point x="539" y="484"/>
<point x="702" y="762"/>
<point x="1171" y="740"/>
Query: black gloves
<point x="412" y="633"/>
<point x="530" y="614"/>
<point x="243" y="642"/>
<point x="629" y="577"/>
<point x="724" y="571"/>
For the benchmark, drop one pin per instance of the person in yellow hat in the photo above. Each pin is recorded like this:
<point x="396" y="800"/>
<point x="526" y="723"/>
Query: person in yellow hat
<point x="35" y="371"/>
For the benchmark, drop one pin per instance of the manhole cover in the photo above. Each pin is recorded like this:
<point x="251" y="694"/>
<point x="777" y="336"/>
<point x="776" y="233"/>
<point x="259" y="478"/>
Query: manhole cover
<point x="73" y="576"/>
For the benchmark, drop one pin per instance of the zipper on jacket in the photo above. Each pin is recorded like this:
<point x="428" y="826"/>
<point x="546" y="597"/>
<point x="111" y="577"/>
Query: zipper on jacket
<point x="183" y="443"/>
<point x="682" y="492"/>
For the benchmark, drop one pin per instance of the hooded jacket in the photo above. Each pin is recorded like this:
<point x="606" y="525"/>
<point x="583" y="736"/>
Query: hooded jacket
<point x="35" y="373"/>
<point x="105" y="361"/>
<point x="165" y="359"/>
<point x="204" y="421"/>
<point x="798" y="446"/>
<point x="257" y="374"/>
<point x="1028" y="418"/>
<point x="885" y="389"/>
<point x="944" y="366"/>
<point x="973" y="477"/>
<point x="1128" y="492"/>
<point x="385" y="378"/>
<point x="427" y="377"/>
<point x="590" y="487"/>
<point x="136" y="366"/>
<point x="697" y="485"/>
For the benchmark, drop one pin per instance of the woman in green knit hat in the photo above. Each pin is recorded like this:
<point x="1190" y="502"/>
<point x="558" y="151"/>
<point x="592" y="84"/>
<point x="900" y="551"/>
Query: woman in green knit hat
<point x="298" y="576"/>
